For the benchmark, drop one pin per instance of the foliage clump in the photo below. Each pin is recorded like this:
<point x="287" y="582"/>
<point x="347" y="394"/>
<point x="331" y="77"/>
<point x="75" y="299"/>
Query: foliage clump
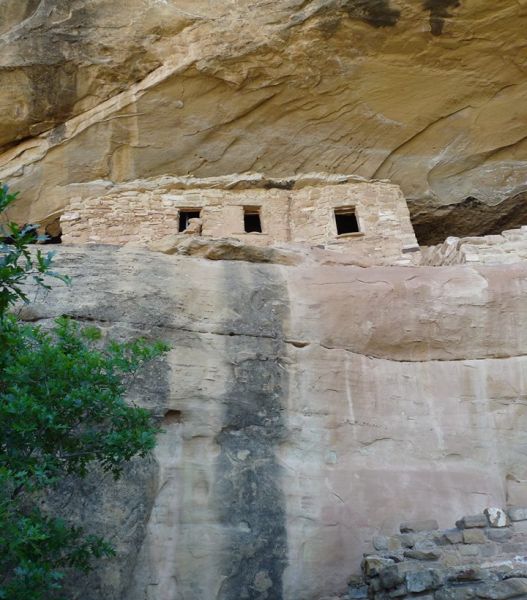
<point x="62" y="412"/>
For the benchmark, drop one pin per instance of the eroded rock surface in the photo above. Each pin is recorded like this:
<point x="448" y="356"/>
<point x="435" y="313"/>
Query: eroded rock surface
<point x="302" y="416"/>
<point x="429" y="94"/>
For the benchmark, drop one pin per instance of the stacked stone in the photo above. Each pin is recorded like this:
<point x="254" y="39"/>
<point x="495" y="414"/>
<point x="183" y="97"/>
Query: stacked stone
<point x="509" y="247"/>
<point x="484" y="556"/>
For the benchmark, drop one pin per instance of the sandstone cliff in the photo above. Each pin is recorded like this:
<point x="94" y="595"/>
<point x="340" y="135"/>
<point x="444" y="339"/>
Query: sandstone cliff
<point x="306" y="408"/>
<point x="429" y="94"/>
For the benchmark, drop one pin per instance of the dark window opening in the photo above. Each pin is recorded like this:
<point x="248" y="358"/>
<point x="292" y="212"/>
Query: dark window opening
<point x="251" y="220"/>
<point x="185" y="216"/>
<point x="346" y="220"/>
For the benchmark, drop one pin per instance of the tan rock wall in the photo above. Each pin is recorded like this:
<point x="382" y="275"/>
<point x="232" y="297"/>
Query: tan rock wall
<point x="314" y="407"/>
<point x="114" y="90"/>
<point x="305" y="215"/>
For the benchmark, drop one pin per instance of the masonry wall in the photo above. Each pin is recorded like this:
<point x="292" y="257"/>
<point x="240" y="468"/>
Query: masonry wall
<point x="509" y="247"/>
<point x="303" y="215"/>
<point x="483" y="556"/>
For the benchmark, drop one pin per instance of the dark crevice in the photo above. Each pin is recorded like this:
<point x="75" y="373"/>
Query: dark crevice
<point x="470" y="217"/>
<point x="439" y="11"/>
<point x="172" y="416"/>
<point x="378" y="13"/>
<point x="280" y="185"/>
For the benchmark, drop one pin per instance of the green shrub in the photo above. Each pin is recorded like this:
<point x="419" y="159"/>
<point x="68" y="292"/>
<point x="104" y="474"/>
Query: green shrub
<point x="62" y="411"/>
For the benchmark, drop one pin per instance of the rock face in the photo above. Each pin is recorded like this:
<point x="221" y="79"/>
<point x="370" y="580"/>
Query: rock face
<point x="412" y="91"/>
<point x="300" y="415"/>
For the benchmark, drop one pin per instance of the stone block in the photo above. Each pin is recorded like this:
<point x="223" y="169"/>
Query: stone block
<point x="519" y="527"/>
<point x="421" y="554"/>
<point x="394" y="543"/>
<point x="358" y="592"/>
<point x="463" y="593"/>
<point x="373" y="564"/>
<point x="497" y="517"/>
<point x="398" y="592"/>
<point x="472" y="521"/>
<point x="501" y="590"/>
<point x="474" y="536"/>
<point x="518" y="513"/>
<point x="468" y="550"/>
<point x="453" y="536"/>
<point x="488" y="550"/>
<point x="499" y="535"/>
<point x="422" y="581"/>
<point x="380" y="542"/>
<point x="426" y="544"/>
<point x="516" y="572"/>
<point x="416" y="526"/>
<point x="463" y="574"/>
<point x="390" y="577"/>
<point x="407" y="540"/>
<point x="514" y="548"/>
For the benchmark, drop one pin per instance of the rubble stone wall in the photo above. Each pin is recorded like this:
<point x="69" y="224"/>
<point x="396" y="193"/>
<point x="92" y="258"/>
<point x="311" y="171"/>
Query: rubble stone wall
<point x="303" y="215"/>
<point x="484" y="556"/>
<point x="509" y="247"/>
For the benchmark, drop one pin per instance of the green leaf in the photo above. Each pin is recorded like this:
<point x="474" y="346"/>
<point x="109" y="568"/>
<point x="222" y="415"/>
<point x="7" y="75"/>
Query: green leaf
<point x="62" y="412"/>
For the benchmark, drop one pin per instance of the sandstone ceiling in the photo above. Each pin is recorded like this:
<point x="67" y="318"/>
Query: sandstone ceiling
<point x="429" y="94"/>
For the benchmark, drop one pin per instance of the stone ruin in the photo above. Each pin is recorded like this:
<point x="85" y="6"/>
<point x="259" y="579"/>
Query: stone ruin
<point x="484" y="556"/>
<point x="509" y="247"/>
<point x="370" y="218"/>
<point x="367" y="219"/>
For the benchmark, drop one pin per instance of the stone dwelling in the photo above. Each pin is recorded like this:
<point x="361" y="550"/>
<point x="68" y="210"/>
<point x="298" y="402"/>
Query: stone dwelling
<point x="368" y="217"/>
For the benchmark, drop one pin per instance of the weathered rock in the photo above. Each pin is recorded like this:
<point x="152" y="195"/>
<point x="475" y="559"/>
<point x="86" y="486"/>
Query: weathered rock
<point x="453" y="536"/>
<point x="97" y="91"/>
<point x="499" y="535"/>
<point x="509" y="588"/>
<point x="390" y="577"/>
<point x="471" y="551"/>
<point x="472" y="521"/>
<point x="517" y="513"/>
<point x="358" y="592"/>
<point x="416" y="526"/>
<point x="398" y="592"/>
<point x="467" y="574"/>
<point x="474" y="536"/>
<point x="224" y="249"/>
<point x="497" y="517"/>
<point x="373" y="565"/>
<point x="380" y="542"/>
<point x="422" y="554"/>
<point x="481" y="569"/>
<point x="296" y="379"/>
<point x="464" y="593"/>
<point x="407" y="540"/>
<point x="422" y="581"/>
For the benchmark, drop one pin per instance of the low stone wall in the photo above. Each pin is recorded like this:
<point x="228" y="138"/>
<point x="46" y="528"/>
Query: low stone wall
<point x="484" y="556"/>
<point x="289" y="212"/>
<point x="509" y="247"/>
